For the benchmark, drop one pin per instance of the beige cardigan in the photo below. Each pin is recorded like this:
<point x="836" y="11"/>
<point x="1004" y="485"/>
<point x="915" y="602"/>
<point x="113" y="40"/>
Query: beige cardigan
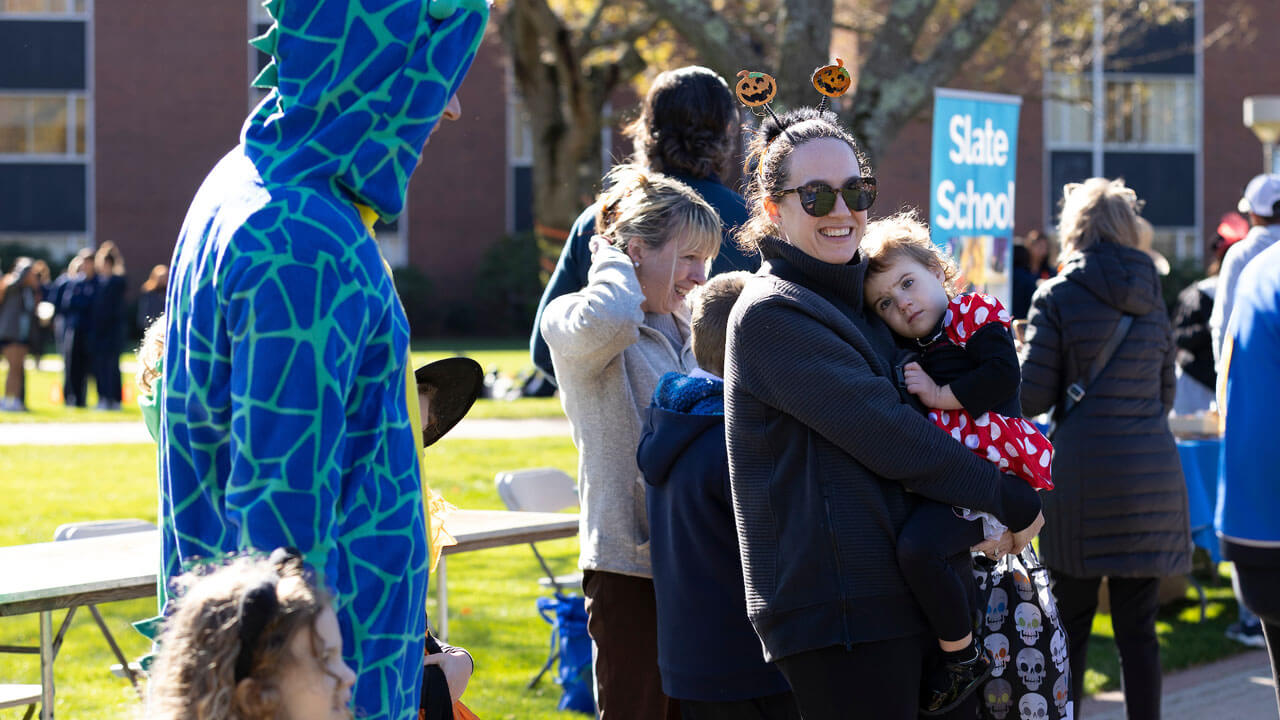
<point x="608" y="363"/>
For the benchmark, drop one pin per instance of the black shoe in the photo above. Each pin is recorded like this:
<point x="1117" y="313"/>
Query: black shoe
<point x="951" y="682"/>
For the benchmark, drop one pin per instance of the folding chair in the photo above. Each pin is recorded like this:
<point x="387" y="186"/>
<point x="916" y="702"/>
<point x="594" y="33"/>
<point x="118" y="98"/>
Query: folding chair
<point x="99" y="528"/>
<point x="541" y="490"/>
<point x="14" y="695"/>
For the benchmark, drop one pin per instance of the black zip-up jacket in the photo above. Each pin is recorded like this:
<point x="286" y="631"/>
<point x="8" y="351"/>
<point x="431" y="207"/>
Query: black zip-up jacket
<point x="822" y="452"/>
<point x="1119" y="504"/>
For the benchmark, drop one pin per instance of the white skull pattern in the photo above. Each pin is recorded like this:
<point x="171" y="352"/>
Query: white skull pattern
<point x="1027" y="617"/>
<point x="980" y="576"/>
<point x="1031" y="667"/>
<point x="1033" y="707"/>
<point x="997" y="609"/>
<point x="1060" y="694"/>
<point x="1058" y="650"/>
<point x="1022" y="584"/>
<point x="998" y="649"/>
<point x="998" y="695"/>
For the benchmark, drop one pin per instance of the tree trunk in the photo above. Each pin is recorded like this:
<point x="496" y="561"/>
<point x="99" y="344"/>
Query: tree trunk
<point x="804" y="34"/>
<point x="565" y="98"/>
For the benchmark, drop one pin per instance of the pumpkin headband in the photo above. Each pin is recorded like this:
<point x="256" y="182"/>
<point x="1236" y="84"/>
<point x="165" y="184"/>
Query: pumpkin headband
<point x="757" y="89"/>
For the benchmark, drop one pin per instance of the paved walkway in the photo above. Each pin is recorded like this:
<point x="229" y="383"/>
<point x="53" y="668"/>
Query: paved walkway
<point x="1238" y="688"/>
<point x="116" y="433"/>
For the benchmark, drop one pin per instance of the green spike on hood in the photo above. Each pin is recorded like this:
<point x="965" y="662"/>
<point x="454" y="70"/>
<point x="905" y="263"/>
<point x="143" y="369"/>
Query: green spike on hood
<point x="355" y="93"/>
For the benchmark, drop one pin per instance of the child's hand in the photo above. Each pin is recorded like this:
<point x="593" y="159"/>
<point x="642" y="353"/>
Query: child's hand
<point x="457" y="667"/>
<point x="922" y="386"/>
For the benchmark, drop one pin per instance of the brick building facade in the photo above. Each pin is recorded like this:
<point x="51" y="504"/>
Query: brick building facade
<point x="111" y="113"/>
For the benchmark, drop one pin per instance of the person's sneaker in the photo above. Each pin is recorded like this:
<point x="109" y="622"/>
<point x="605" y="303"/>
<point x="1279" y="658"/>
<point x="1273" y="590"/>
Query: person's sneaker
<point x="952" y="681"/>
<point x="1250" y="635"/>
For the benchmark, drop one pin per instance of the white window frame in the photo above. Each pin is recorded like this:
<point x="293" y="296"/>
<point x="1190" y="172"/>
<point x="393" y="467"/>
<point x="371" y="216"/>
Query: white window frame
<point x="519" y="149"/>
<point x="70" y="153"/>
<point x="1189" y="239"/>
<point x="70" y="14"/>
<point x="88" y="157"/>
<point x="1190" y="96"/>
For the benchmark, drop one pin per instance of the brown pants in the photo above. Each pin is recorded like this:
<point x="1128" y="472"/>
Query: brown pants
<point x="622" y="620"/>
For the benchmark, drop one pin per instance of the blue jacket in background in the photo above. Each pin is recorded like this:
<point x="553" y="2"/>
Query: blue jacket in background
<point x="575" y="258"/>
<point x="707" y="649"/>
<point x="1248" y="515"/>
<point x="107" y="309"/>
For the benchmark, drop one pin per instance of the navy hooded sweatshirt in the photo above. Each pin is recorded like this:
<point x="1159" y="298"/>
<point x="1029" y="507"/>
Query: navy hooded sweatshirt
<point x="707" y="649"/>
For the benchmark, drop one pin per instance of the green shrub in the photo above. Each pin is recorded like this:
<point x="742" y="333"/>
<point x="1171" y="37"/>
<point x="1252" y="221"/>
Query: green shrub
<point x="417" y="293"/>
<point x="507" y="287"/>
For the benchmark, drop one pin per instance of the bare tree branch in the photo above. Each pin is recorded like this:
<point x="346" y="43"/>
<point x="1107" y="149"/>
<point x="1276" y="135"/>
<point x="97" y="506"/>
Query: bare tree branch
<point x="722" y="46"/>
<point x="627" y="35"/>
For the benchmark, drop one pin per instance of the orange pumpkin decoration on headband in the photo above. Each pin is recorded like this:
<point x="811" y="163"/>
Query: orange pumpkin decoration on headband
<point x="832" y="80"/>
<point x="755" y="88"/>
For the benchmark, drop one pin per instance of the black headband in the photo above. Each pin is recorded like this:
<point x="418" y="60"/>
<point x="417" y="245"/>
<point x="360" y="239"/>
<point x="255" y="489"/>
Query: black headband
<point x="257" y="608"/>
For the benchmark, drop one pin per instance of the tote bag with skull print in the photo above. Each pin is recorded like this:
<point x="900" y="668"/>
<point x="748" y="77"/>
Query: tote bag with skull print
<point x="1023" y="635"/>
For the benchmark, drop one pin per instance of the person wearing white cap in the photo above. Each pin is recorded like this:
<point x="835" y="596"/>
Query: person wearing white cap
<point x="1261" y="204"/>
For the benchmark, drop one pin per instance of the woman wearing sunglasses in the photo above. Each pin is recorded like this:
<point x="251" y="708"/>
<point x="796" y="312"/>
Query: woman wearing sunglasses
<point x="824" y="452"/>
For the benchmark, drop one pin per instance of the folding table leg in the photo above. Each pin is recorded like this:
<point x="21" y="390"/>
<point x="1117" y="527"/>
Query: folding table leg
<point x="111" y="640"/>
<point x="442" y="604"/>
<point x="46" y="665"/>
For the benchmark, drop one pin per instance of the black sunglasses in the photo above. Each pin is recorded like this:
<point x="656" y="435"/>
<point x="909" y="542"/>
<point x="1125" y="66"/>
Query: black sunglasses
<point x="818" y="199"/>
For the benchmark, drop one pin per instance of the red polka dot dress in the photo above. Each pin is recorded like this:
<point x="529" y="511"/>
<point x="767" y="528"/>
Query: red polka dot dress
<point x="1013" y="444"/>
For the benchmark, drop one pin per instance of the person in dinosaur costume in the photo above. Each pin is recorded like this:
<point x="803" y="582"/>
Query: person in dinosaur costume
<point x="285" y="418"/>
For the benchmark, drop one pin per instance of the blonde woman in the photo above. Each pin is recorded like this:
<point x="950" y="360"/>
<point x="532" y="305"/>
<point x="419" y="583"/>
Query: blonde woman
<point x="1120" y="506"/>
<point x="610" y="343"/>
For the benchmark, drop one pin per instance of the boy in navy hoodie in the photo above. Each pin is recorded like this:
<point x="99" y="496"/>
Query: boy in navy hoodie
<point x="708" y="653"/>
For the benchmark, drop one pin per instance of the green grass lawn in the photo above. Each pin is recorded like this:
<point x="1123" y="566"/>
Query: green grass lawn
<point x="492" y="592"/>
<point x="509" y="357"/>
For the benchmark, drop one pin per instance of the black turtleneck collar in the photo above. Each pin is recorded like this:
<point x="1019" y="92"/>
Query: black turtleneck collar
<point x="843" y="281"/>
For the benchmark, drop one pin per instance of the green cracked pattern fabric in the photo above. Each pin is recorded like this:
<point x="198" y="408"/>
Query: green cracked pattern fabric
<point x="284" y="417"/>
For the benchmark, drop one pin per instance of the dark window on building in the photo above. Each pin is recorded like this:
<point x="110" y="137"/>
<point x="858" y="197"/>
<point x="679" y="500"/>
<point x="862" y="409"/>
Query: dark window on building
<point x="42" y="197"/>
<point x="262" y="58"/>
<point x="1166" y="182"/>
<point x="1066" y="167"/>
<point x="523" y="175"/>
<point x="1159" y="49"/>
<point x="41" y="54"/>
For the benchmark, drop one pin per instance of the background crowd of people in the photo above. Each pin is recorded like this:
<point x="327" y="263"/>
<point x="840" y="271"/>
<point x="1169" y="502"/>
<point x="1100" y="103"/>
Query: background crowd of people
<point x="84" y="312"/>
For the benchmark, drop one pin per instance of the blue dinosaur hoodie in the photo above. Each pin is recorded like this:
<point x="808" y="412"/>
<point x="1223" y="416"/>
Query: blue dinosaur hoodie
<point x="284" y="397"/>
<point x="707" y="649"/>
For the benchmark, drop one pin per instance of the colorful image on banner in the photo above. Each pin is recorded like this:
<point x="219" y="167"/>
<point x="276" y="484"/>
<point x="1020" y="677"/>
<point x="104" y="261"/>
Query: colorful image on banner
<point x="982" y="263"/>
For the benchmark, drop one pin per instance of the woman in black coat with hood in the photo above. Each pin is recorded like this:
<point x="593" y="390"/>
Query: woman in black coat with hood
<point x="1120" y="506"/>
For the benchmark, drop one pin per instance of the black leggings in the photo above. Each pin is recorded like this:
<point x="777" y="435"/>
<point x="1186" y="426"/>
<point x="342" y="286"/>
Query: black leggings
<point x="1134" y="604"/>
<point x="771" y="707"/>
<point x="933" y="554"/>
<point x="866" y="681"/>
<point x="1260" y="588"/>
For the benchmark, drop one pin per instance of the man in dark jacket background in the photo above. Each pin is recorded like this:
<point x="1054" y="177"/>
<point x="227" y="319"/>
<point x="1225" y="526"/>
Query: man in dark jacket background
<point x="685" y="130"/>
